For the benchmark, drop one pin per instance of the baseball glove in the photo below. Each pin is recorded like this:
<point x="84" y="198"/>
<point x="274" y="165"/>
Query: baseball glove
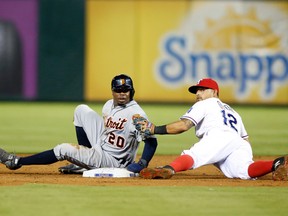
<point x="143" y="125"/>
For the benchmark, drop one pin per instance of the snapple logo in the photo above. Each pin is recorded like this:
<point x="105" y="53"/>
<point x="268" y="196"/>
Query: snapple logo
<point x="235" y="48"/>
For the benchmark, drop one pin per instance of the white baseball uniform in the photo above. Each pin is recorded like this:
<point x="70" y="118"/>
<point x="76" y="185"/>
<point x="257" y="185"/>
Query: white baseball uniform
<point x="113" y="137"/>
<point x="221" y="136"/>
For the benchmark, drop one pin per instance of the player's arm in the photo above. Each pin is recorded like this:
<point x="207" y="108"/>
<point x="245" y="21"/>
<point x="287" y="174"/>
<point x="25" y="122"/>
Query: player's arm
<point x="148" y="152"/>
<point x="148" y="128"/>
<point x="177" y="127"/>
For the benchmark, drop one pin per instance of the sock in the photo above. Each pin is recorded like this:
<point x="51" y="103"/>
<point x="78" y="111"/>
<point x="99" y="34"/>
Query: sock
<point x="260" y="168"/>
<point x="182" y="163"/>
<point x="46" y="157"/>
<point x="82" y="137"/>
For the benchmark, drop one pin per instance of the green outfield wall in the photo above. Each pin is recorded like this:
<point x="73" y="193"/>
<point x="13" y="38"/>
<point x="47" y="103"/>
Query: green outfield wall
<point x="61" y="49"/>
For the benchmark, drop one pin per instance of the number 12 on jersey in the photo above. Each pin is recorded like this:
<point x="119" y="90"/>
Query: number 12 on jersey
<point x="229" y="119"/>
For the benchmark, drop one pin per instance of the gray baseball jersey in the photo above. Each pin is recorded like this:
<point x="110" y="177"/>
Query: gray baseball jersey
<point x="113" y="136"/>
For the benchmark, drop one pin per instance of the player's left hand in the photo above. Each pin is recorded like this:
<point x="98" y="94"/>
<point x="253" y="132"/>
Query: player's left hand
<point x="143" y="125"/>
<point x="137" y="167"/>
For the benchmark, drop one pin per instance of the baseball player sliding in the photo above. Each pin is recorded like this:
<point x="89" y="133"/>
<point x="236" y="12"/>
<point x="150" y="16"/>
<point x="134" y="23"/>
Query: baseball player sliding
<point x="223" y="140"/>
<point x="110" y="140"/>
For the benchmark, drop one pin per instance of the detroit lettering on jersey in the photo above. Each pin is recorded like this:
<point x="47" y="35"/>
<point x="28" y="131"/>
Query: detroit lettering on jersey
<point x="119" y="125"/>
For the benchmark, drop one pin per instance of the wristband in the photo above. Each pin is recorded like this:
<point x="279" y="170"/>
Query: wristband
<point x="160" y="129"/>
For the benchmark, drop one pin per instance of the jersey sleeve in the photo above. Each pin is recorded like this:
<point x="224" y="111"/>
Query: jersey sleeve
<point x="196" y="113"/>
<point x="106" y="109"/>
<point x="243" y="132"/>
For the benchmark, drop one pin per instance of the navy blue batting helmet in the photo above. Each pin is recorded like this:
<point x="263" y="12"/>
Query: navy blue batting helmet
<point x="123" y="82"/>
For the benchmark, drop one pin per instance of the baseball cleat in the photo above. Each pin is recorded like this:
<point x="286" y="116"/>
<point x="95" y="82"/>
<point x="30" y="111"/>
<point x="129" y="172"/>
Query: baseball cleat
<point x="280" y="169"/>
<point x="71" y="169"/>
<point x="10" y="160"/>
<point x="156" y="173"/>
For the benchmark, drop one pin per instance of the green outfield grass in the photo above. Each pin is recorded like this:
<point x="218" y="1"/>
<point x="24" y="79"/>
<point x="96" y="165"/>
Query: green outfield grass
<point x="61" y="200"/>
<point x="32" y="127"/>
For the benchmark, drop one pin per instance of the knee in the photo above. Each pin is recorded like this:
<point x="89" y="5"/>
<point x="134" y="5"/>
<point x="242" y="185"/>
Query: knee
<point x="63" y="149"/>
<point x="79" y="114"/>
<point x="79" y="109"/>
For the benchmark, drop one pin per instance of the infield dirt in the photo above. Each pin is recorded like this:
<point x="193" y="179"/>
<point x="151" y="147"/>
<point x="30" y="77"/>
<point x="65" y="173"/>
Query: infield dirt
<point x="204" y="176"/>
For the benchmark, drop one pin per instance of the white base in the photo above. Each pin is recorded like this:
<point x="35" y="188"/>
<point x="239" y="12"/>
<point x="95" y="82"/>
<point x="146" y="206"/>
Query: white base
<point x="109" y="173"/>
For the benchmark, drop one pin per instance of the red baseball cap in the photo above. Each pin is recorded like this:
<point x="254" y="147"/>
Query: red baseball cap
<point x="205" y="83"/>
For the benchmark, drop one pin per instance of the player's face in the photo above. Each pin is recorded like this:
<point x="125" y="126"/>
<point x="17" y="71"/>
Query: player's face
<point x="205" y="93"/>
<point x="121" y="96"/>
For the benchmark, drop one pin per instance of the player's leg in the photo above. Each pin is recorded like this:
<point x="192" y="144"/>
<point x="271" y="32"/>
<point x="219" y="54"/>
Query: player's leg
<point x="260" y="168"/>
<point x="237" y="163"/>
<point x="240" y="164"/>
<point x="15" y="162"/>
<point x="80" y="155"/>
<point x="279" y="167"/>
<point x="88" y="158"/>
<point x="42" y="158"/>
<point x="88" y="127"/>
<point x="82" y="140"/>
<point x="196" y="156"/>
<point x="209" y="150"/>
<point x="82" y="137"/>
<point x="181" y="163"/>
<point x="72" y="153"/>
